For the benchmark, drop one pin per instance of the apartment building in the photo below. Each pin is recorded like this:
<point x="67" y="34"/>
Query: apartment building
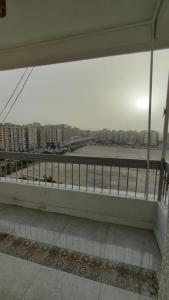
<point x="31" y="135"/>
<point x="69" y="132"/>
<point x="130" y="137"/>
<point x="2" y="139"/>
<point x="12" y="137"/>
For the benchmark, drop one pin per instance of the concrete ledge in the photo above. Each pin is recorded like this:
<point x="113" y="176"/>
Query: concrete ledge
<point x="107" y="208"/>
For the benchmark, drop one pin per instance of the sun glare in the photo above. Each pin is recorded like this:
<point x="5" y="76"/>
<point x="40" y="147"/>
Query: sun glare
<point x="142" y="103"/>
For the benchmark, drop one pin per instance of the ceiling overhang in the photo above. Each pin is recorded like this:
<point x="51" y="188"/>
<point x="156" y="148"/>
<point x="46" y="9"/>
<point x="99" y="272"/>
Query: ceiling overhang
<point x="45" y="32"/>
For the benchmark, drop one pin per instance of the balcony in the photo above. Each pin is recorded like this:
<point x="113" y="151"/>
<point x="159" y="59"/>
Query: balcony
<point x="82" y="228"/>
<point x="89" y="217"/>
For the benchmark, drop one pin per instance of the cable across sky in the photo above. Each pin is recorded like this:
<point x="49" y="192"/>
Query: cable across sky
<point x="17" y="96"/>
<point x="13" y="92"/>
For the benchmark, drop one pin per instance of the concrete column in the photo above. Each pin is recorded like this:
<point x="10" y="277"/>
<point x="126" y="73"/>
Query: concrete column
<point x="164" y="281"/>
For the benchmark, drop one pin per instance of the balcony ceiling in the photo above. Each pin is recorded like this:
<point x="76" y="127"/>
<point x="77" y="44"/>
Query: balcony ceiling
<point x="43" y="32"/>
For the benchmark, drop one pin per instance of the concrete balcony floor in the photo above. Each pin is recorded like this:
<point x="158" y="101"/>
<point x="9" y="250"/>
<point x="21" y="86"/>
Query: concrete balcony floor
<point x="27" y="278"/>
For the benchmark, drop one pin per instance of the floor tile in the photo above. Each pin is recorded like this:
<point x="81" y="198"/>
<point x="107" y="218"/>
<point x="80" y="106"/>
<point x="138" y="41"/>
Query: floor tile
<point x="53" y="284"/>
<point x="133" y="246"/>
<point x="85" y="236"/>
<point x="16" y="276"/>
<point x="112" y="293"/>
<point x="32" y="224"/>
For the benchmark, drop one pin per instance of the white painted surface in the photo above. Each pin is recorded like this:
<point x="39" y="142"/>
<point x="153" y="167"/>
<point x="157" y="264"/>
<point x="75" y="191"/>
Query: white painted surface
<point x="160" y="228"/>
<point x="59" y="31"/>
<point x="125" y="211"/>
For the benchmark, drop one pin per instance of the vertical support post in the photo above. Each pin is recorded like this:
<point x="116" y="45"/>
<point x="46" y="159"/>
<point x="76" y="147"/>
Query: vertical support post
<point x="149" y="122"/>
<point x="164" y="146"/>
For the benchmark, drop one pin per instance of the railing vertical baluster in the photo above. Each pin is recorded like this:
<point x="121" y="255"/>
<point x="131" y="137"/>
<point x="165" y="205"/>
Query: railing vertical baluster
<point x="16" y="171"/>
<point x="33" y="172"/>
<point x="2" y="170"/>
<point x="137" y="170"/>
<point x="72" y="176"/>
<point x="164" y="185"/>
<point x="22" y="171"/>
<point x="52" y="172"/>
<point x="27" y="170"/>
<point x="79" y="176"/>
<point x="5" y="170"/>
<point x="119" y="181"/>
<point x="160" y="184"/>
<point x="127" y="181"/>
<point x="94" y="183"/>
<point x="39" y="172"/>
<point x="166" y="191"/>
<point x="110" y="179"/>
<point x="65" y="175"/>
<point x="86" y="176"/>
<point x="102" y="181"/>
<point x="45" y="173"/>
<point x="145" y="187"/>
<point x="11" y="170"/>
<point x="58" y="174"/>
<point x="166" y="199"/>
<point x="155" y="184"/>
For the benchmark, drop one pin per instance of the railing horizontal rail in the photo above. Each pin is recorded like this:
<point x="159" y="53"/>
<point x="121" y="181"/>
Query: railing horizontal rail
<point x="81" y="160"/>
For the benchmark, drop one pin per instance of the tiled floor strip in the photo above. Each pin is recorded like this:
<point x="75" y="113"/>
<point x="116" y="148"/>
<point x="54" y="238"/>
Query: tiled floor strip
<point x="132" y="278"/>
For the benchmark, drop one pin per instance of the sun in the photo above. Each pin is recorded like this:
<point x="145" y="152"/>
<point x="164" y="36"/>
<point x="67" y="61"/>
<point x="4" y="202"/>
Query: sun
<point x="142" y="103"/>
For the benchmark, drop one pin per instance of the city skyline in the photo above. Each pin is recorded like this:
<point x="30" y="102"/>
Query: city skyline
<point x="108" y="93"/>
<point x="35" y="124"/>
<point x="15" y="137"/>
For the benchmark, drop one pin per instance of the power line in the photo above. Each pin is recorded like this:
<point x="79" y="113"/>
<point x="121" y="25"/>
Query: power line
<point x="13" y="92"/>
<point x="16" y="98"/>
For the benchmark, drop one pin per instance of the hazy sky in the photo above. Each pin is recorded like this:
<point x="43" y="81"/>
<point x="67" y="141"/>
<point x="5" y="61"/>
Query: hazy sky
<point x="101" y="93"/>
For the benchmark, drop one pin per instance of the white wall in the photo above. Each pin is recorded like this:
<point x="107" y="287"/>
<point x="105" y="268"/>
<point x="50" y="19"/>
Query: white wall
<point x="125" y="211"/>
<point x="160" y="228"/>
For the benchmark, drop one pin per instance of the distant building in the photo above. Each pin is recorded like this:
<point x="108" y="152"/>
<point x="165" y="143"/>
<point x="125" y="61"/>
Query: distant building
<point x="41" y="136"/>
<point x="153" y="138"/>
<point x="2" y="138"/>
<point x="130" y="137"/>
<point x="51" y="135"/>
<point x="70" y="133"/>
<point x="59" y="135"/>
<point x="19" y="138"/>
<point x="31" y="134"/>
<point x="105" y="136"/>
<point x="12" y="137"/>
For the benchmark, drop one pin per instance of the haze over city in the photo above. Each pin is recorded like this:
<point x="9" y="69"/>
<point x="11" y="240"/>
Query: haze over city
<point x="108" y="93"/>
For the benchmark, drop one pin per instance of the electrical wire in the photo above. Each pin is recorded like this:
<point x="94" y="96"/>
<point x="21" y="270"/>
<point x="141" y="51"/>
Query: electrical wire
<point x="10" y="98"/>
<point x="16" y="98"/>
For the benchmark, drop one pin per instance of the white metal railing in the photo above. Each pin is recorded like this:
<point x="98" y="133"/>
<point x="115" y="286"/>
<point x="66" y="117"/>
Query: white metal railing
<point x="125" y="177"/>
